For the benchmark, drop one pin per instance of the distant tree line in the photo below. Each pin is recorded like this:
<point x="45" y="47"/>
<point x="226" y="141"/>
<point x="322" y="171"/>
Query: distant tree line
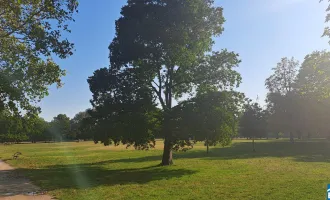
<point x="17" y="128"/>
<point x="297" y="102"/>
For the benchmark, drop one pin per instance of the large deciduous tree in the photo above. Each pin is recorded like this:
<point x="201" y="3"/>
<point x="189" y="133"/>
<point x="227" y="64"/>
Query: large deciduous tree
<point x="30" y="35"/>
<point x="281" y="96"/>
<point x="158" y="55"/>
<point x="313" y="86"/>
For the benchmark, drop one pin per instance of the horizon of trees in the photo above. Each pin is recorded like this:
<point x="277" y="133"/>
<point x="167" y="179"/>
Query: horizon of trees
<point x="16" y="129"/>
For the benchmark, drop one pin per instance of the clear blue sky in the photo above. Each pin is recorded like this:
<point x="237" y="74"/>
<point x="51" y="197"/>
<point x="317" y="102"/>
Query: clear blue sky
<point x="261" y="31"/>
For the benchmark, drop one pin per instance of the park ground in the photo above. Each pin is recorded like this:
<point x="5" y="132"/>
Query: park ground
<point x="84" y="170"/>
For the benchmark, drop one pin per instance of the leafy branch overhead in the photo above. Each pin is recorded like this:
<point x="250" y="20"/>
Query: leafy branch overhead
<point x="30" y="35"/>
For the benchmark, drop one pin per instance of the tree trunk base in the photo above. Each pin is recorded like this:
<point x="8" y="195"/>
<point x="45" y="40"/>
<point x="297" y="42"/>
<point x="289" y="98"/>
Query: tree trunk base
<point x="207" y="148"/>
<point x="167" y="154"/>
<point x="166" y="163"/>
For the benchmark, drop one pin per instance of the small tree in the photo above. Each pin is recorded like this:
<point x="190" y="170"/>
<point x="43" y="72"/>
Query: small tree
<point x="253" y="122"/>
<point x="60" y="127"/>
<point x="211" y="117"/>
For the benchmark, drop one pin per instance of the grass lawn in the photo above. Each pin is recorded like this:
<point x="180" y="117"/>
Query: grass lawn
<point x="278" y="170"/>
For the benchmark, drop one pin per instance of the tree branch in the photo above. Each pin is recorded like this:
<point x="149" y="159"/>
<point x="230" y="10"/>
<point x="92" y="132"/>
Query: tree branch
<point x="185" y="102"/>
<point x="188" y="81"/>
<point x="159" y="80"/>
<point x="159" y="96"/>
<point x="155" y="83"/>
<point x="170" y="87"/>
<point x="166" y="87"/>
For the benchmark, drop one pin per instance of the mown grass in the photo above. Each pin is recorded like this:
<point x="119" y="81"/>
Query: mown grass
<point x="278" y="170"/>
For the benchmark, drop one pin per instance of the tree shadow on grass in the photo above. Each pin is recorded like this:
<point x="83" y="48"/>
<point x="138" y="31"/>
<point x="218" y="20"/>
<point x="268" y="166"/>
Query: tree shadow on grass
<point x="88" y="175"/>
<point x="302" y="151"/>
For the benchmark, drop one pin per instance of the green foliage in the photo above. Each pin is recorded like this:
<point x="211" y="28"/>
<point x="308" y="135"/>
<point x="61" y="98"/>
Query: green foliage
<point x="167" y="32"/>
<point x="38" y="129"/>
<point x="76" y="124"/>
<point x="314" y="75"/>
<point x="253" y="123"/>
<point x="60" y="128"/>
<point x="211" y="117"/>
<point x="30" y="34"/>
<point x="327" y="19"/>
<point x="16" y="128"/>
<point x="87" y="126"/>
<point x="122" y="105"/>
<point x="313" y="83"/>
<point x="282" y="96"/>
<point x="12" y="128"/>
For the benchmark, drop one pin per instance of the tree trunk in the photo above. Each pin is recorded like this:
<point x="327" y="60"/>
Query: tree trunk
<point x="207" y="143"/>
<point x="207" y="147"/>
<point x="167" y="153"/>
<point x="291" y="138"/>
<point x="254" y="149"/>
<point x="168" y="145"/>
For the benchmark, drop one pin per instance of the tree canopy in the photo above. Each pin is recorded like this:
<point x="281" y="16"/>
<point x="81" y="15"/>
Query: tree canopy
<point x="253" y="122"/>
<point x="281" y="96"/>
<point x="76" y="124"/>
<point x="211" y="117"/>
<point x="60" y="128"/>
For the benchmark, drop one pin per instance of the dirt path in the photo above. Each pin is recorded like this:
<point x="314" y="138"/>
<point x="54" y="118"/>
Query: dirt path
<point x="15" y="187"/>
